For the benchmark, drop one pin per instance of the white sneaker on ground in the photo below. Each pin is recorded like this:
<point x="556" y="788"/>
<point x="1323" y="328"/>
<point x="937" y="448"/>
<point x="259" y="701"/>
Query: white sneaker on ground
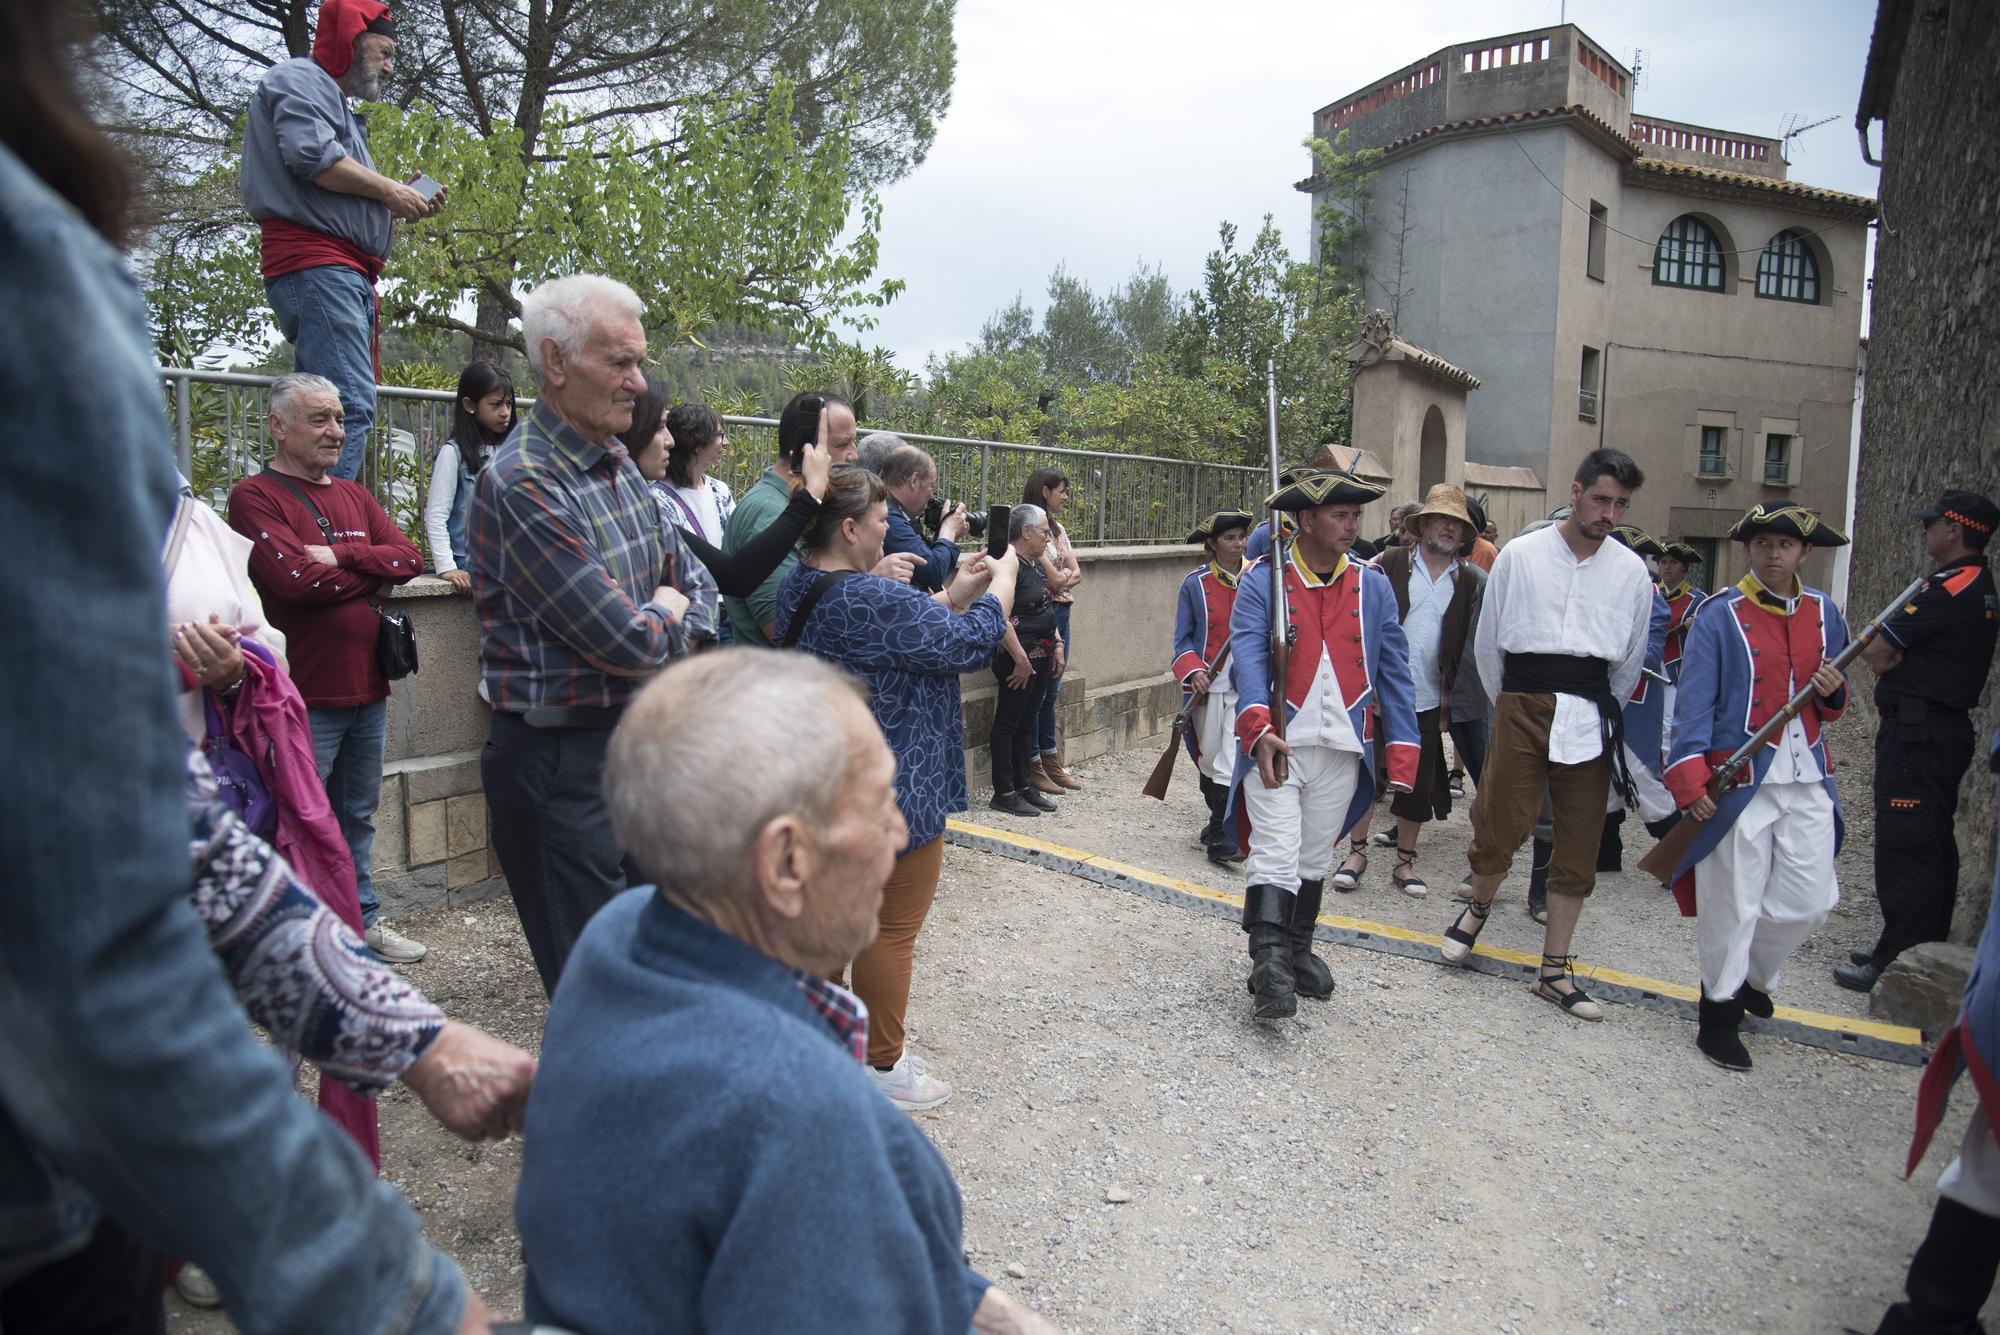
<point x="910" y="1085"/>
<point x="196" y="1288"/>
<point x="393" y="946"/>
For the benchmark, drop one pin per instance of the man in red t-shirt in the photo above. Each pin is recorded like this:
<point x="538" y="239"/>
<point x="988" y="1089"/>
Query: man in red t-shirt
<point x="321" y="550"/>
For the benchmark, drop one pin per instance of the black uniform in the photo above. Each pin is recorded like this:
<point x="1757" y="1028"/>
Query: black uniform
<point x="1923" y="747"/>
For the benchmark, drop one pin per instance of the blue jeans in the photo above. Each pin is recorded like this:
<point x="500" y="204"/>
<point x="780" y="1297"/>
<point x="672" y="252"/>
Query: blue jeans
<point x="347" y="744"/>
<point x="1045" y="725"/>
<point x="328" y="316"/>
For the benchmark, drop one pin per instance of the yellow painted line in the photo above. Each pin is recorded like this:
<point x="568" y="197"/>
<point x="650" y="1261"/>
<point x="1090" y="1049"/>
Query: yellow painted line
<point x="1845" y="1024"/>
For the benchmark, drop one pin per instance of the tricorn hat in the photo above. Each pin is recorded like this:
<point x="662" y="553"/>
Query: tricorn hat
<point x="1792" y="521"/>
<point x="1220" y="523"/>
<point x="1309" y="491"/>
<point x="1684" y="552"/>
<point x="1639" y="540"/>
<point x="1444" y="499"/>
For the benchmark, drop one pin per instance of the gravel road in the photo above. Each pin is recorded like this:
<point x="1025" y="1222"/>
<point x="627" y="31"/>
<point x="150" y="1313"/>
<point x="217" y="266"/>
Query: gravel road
<point x="1430" y="1150"/>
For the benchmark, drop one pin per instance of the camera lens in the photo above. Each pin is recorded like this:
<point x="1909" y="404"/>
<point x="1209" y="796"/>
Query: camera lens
<point x="975" y="524"/>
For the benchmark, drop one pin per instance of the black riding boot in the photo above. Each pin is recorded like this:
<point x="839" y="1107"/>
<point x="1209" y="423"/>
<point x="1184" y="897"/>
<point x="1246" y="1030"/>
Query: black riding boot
<point x="1716" y="1035"/>
<point x="1216" y="796"/>
<point x="1611" y="848"/>
<point x="1539" y="857"/>
<point x="1950" y="1276"/>
<point x="1309" y="971"/>
<point x="1267" y="917"/>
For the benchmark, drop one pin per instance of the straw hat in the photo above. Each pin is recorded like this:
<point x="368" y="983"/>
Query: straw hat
<point x="1444" y="499"/>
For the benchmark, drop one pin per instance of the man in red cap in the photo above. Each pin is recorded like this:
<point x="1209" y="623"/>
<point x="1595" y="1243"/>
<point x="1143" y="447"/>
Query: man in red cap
<point x="323" y="210"/>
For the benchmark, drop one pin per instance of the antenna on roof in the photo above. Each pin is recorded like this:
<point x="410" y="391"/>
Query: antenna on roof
<point x="1636" y="62"/>
<point x="1792" y="126"/>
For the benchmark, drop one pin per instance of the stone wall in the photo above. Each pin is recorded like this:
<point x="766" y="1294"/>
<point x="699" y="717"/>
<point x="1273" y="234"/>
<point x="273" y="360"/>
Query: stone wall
<point x="1932" y="415"/>
<point x="431" y="837"/>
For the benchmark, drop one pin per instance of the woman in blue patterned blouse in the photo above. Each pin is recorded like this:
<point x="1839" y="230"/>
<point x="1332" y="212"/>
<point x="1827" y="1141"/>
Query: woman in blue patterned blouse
<point x="910" y="647"/>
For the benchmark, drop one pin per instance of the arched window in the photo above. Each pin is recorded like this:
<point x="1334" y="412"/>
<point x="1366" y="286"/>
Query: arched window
<point x="1787" y="270"/>
<point x="1688" y="256"/>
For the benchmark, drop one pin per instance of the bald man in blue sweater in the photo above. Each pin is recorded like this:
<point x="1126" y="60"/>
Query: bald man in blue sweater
<point x="704" y="1150"/>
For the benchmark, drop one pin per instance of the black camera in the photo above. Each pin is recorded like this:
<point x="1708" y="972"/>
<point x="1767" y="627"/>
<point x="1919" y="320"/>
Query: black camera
<point x="933" y="515"/>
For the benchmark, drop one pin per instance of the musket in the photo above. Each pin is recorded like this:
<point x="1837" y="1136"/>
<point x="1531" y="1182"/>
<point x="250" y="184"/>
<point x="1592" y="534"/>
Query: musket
<point x="1673" y="845"/>
<point x="1281" y="621"/>
<point x="1163" y="771"/>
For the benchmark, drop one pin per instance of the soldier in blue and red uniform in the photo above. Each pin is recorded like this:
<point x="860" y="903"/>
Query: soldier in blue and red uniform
<point x="1759" y="874"/>
<point x="1645" y="714"/>
<point x="1201" y="629"/>
<point x="1932" y="659"/>
<point x="1682" y="598"/>
<point x="1347" y="654"/>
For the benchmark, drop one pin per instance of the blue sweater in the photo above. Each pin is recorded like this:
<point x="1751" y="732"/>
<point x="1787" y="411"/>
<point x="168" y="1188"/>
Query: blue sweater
<point x="702" y="1154"/>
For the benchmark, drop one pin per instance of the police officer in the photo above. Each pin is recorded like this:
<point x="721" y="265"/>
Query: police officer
<point x="1933" y="656"/>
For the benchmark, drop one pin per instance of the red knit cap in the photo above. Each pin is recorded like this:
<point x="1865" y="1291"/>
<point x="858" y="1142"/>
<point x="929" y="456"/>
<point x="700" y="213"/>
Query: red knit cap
<point x="340" y="22"/>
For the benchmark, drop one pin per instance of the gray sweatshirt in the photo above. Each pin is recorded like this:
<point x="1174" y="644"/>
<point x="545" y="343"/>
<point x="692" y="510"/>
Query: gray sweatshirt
<point x="300" y="125"/>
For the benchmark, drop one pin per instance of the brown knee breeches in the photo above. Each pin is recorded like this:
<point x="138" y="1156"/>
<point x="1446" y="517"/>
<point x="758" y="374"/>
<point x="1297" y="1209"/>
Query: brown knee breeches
<point x="1510" y="797"/>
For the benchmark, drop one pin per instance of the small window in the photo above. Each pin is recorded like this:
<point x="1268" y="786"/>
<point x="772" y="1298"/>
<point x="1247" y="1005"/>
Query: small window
<point x="1586" y="384"/>
<point x="1600" y="229"/>
<point x="1705" y="573"/>
<point x="1777" y="460"/>
<point x="1688" y="256"/>
<point x="1787" y="271"/>
<point x="1714" y="460"/>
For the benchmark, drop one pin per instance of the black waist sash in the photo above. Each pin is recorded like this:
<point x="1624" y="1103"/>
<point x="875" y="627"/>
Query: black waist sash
<point x="1588" y="678"/>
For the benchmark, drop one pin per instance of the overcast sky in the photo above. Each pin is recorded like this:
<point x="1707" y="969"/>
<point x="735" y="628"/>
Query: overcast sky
<point x="1102" y="133"/>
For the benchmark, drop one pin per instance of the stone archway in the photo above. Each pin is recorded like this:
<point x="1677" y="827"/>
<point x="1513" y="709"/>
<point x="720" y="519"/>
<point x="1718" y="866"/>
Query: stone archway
<point x="1431" y="457"/>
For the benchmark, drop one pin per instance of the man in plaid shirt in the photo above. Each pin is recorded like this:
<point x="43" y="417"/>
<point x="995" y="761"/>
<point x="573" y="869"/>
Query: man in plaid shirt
<point x="584" y="592"/>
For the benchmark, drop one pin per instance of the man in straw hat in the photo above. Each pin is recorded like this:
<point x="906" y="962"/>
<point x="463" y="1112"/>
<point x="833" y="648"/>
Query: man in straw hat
<point x="1201" y="632"/>
<point x="1560" y="641"/>
<point x="1437" y="603"/>
<point x="1932" y="659"/>
<point x="1762" y="863"/>
<point x="1346" y="654"/>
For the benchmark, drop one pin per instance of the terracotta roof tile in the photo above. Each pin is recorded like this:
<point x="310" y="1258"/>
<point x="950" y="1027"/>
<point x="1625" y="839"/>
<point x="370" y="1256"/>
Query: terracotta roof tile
<point x="1746" y="181"/>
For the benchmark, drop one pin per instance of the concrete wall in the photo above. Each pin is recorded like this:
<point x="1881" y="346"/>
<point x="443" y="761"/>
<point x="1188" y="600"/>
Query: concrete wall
<point x="431" y="835"/>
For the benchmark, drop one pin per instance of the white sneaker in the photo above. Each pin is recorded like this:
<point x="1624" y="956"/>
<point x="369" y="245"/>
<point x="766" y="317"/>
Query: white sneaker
<point x="393" y="946"/>
<point x="196" y="1288"/>
<point x="910" y="1085"/>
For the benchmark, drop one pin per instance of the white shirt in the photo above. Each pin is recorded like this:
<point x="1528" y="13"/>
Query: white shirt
<point x="1540" y="599"/>
<point x="1423" y="626"/>
<point x="437" y="507"/>
<point x="706" y="503"/>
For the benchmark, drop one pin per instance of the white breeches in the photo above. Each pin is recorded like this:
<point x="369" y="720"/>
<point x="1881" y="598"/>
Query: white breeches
<point x="1765" y="887"/>
<point x="1215" y="733"/>
<point x="1655" y="802"/>
<point x="1667" y="732"/>
<point x="1294" y="827"/>
<point x="1973" y="1178"/>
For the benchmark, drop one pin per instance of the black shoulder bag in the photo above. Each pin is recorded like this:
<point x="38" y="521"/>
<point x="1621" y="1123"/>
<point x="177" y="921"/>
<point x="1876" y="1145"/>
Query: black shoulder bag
<point x="806" y="605"/>
<point x="395" y="637"/>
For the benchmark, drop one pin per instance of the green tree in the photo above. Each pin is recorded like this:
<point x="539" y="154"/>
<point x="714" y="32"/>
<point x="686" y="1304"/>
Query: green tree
<point x="642" y="88"/>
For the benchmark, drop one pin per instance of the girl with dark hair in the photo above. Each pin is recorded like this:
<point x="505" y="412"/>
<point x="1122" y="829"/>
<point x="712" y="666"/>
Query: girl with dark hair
<point x="481" y="419"/>
<point x="909" y="647"/>
<point x="696" y="499"/>
<point x="1049" y="489"/>
<point x="652" y="442"/>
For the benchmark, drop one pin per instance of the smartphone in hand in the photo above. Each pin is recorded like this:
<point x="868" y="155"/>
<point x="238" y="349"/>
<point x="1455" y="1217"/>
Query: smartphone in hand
<point x="427" y="188"/>
<point x="997" y="518"/>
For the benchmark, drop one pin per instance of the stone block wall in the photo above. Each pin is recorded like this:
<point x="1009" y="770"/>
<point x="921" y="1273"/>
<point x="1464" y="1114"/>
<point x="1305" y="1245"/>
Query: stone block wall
<point x="432" y="844"/>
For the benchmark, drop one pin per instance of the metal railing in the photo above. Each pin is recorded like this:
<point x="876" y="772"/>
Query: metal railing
<point x="220" y="436"/>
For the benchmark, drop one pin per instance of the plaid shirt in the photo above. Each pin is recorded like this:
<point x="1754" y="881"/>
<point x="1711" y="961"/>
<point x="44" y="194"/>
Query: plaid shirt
<point x="844" y="1013"/>
<point x="568" y="545"/>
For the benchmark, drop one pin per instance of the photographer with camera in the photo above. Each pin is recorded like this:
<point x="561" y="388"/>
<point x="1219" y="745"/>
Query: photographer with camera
<point x="911" y="475"/>
<point x="910" y="650"/>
